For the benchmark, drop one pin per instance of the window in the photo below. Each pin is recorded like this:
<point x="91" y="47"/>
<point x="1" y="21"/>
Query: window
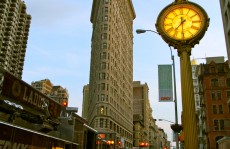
<point x="220" y="109"/>
<point x="214" y="110"/>
<point x="106" y="1"/>
<point x="219" y="95"/>
<point x="103" y="55"/>
<point x="228" y="95"/>
<point x="102" y="86"/>
<point x="106" y="123"/>
<point x="105" y="26"/>
<point x="214" y="82"/>
<point x="221" y="124"/>
<point x="103" y="75"/>
<point x="104" y="46"/>
<point x="102" y="110"/>
<point x="102" y="97"/>
<point x="226" y="17"/>
<point x="101" y="122"/>
<point x="105" y="18"/>
<point x="213" y="96"/>
<point x="220" y="68"/>
<point x="104" y="36"/>
<point x="106" y="10"/>
<point x="103" y="65"/>
<point x="228" y="82"/>
<point x="228" y="108"/>
<point x="212" y="69"/>
<point x="216" y="125"/>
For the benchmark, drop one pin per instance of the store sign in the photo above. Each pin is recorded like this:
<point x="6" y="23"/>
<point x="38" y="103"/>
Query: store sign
<point x="17" y="89"/>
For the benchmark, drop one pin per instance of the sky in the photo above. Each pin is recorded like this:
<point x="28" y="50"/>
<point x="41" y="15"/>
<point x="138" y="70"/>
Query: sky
<point x="59" y="47"/>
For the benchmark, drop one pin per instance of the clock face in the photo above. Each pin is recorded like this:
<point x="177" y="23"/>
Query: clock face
<point x="182" y="23"/>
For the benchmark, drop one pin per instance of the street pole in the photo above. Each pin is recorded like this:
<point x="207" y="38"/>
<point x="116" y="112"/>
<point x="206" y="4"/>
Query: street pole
<point x="140" y="31"/>
<point x="175" y="97"/>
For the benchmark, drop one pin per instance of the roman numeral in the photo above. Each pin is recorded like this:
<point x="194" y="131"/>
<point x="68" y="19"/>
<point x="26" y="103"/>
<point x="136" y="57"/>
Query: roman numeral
<point x="194" y="15"/>
<point x="168" y="24"/>
<point x="175" y="34"/>
<point x="194" y="27"/>
<point x="196" y="21"/>
<point x="174" y="13"/>
<point x="170" y="30"/>
<point x="181" y="10"/>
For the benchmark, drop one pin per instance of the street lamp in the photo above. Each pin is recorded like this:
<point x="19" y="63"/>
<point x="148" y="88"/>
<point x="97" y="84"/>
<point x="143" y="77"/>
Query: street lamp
<point x="140" y="31"/>
<point x="166" y="120"/>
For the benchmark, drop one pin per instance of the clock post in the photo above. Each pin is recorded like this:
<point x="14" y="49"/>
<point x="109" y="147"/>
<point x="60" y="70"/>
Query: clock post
<point x="182" y="25"/>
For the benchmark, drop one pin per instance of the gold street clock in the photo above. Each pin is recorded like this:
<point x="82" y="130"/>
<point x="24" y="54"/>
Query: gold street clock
<point x="184" y="23"/>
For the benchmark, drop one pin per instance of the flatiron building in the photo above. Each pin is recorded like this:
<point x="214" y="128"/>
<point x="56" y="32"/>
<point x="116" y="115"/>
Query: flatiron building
<point x="14" y="29"/>
<point x="110" y="107"/>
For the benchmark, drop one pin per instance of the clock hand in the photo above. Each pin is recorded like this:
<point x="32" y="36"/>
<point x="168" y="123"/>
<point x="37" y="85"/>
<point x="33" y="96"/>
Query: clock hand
<point x="181" y="23"/>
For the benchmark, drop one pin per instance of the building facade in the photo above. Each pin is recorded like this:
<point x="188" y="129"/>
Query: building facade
<point x="214" y="89"/>
<point x="45" y="86"/>
<point x="141" y="113"/>
<point x="111" y="69"/>
<point x="14" y="30"/>
<point x="225" y="11"/>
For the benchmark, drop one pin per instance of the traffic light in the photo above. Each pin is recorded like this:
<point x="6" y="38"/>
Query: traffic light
<point x="64" y="103"/>
<point x="181" y="136"/>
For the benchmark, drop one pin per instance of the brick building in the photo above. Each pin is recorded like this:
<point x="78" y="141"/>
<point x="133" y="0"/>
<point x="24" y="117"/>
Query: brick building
<point x="214" y="89"/>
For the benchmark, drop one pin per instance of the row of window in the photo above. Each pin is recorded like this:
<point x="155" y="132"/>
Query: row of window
<point x="105" y="123"/>
<point x="219" y="125"/>
<point x="120" y="107"/>
<point x="216" y="69"/>
<point x="218" y="109"/>
<point x="218" y="95"/>
<point x="216" y="83"/>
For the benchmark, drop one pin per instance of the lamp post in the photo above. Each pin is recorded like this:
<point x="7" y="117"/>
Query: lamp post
<point x="177" y="30"/>
<point x="140" y="31"/>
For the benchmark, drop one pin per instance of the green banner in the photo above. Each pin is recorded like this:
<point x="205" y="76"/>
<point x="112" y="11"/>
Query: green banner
<point x="165" y="83"/>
